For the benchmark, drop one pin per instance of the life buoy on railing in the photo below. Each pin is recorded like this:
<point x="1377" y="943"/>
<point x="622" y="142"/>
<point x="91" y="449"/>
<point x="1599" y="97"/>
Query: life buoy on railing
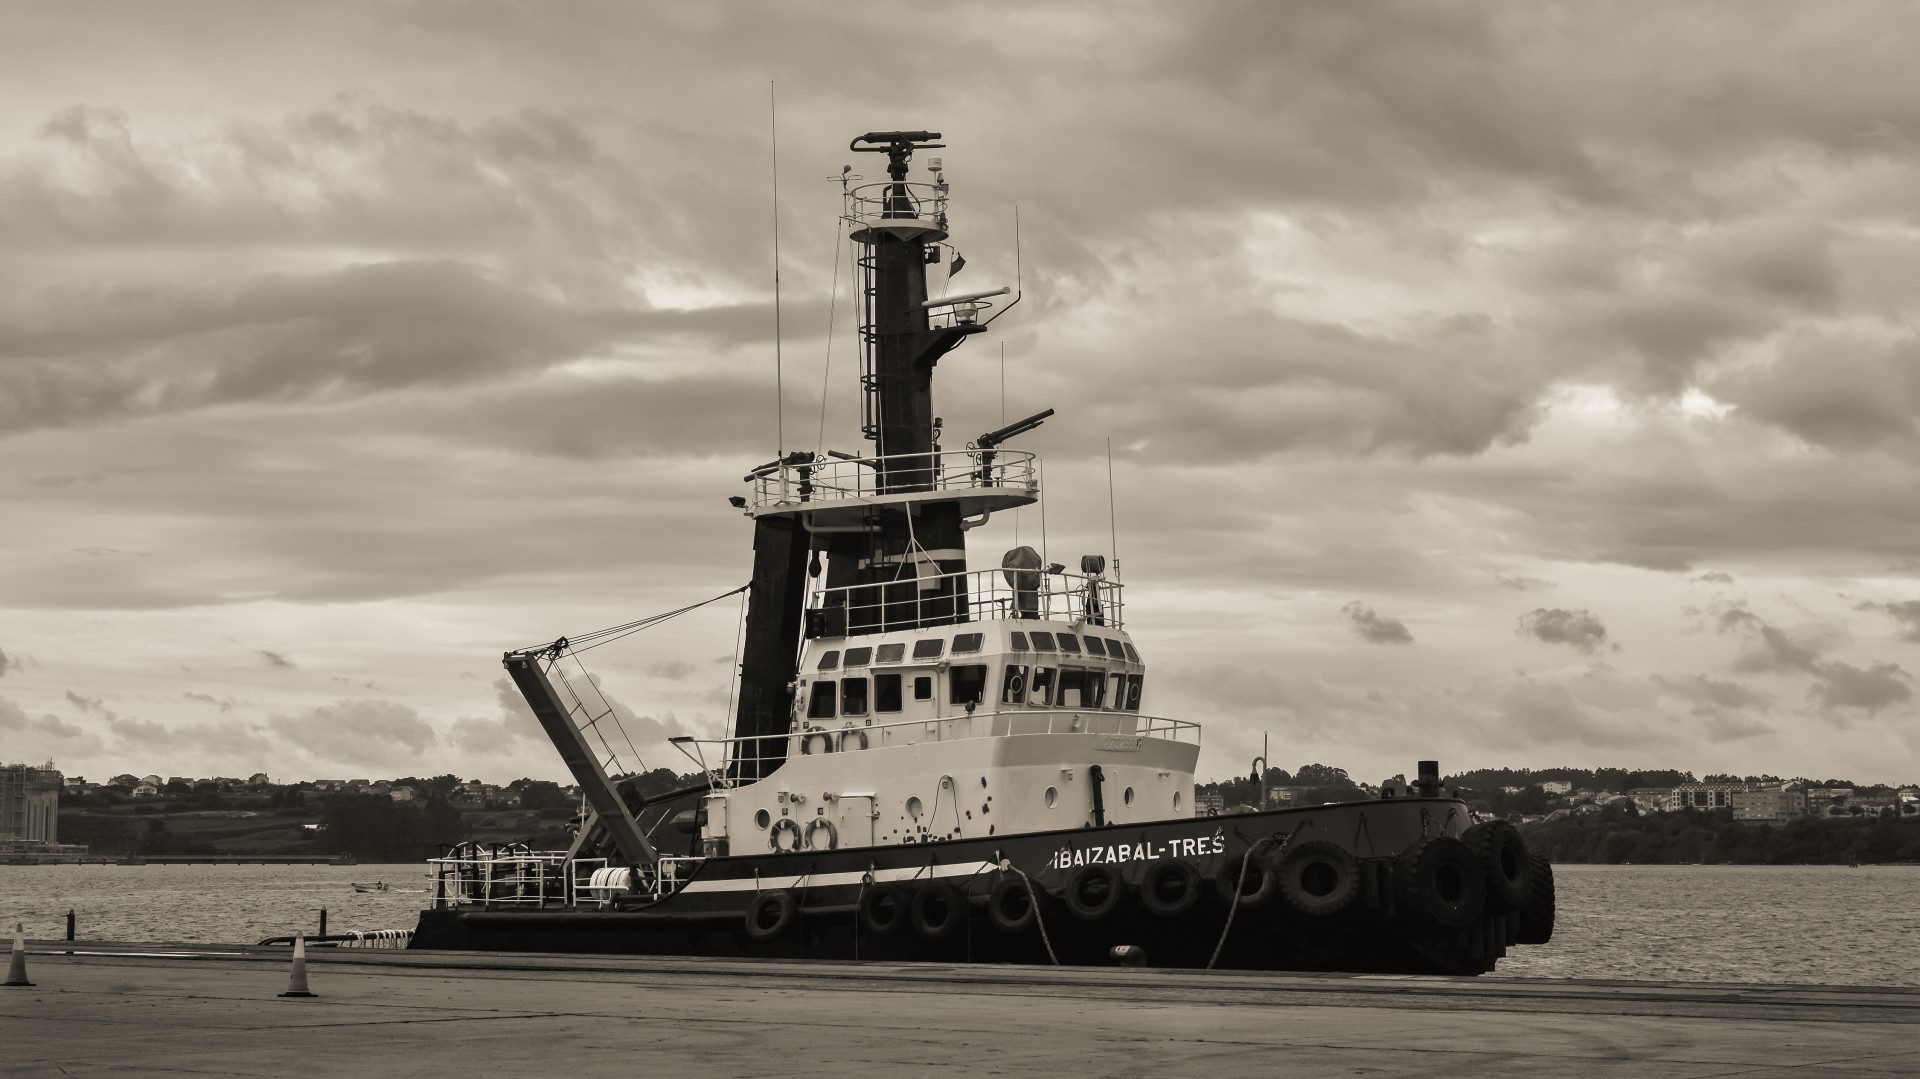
<point x="1170" y="888"/>
<point x="884" y="908"/>
<point x="816" y="740"/>
<point x="1439" y="881"/>
<point x="1013" y="905"/>
<point x="852" y="739"/>
<point x="939" y="910"/>
<point x="771" y="914"/>
<point x="1503" y="856"/>
<point x="1318" y="879"/>
<point x="1094" y="891"/>
<point x="784" y="836"/>
<point x="816" y="828"/>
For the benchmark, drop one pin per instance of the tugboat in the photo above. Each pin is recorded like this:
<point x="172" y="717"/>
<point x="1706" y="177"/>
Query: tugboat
<point x="936" y="762"/>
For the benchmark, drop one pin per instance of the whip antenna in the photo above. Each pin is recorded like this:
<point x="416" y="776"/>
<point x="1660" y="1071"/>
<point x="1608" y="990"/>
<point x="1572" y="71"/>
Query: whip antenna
<point x="779" y="387"/>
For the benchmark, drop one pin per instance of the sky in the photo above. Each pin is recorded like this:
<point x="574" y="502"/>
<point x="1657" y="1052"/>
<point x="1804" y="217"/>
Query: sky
<point x="1512" y="385"/>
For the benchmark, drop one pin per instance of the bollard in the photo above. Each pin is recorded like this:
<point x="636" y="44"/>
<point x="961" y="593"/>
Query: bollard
<point x="323" y="921"/>
<point x="297" y="983"/>
<point x="1129" y="955"/>
<point x="17" y="968"/>
<point x="69" y="923"/>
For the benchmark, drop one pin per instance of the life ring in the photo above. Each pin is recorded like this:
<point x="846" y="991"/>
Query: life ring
<point x="852" y="739"/>
<point x="770" y="915"/>
<point x="1013" y="905"/>
<point x="1248" y="880"/>
<point x="815" y="736"/>
<point x="1503" y="857"/>
<point x="883" y="909"/>
<point x="785" y="829"/>
<point x="813" y="830"/>
<point x="1170" y="888"/>
<point x="1318" y="879"/>
<point x="939" y="910"/>
<point x="1094" y="891"/>
<point x="1439" y="881"/>
<point x="1536" y="918"/>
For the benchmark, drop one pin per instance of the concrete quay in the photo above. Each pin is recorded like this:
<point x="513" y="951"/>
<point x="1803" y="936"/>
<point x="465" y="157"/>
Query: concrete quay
<point x="158" y="1009"/>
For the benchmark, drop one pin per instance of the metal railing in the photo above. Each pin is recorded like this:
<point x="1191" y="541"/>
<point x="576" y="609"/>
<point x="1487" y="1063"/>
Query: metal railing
<point x="889" y="201"/>
<point x="500" y="878"/>
<point x="709" y="753"/>
<point x="990" y="594"/>
<point x="830" y="478"/>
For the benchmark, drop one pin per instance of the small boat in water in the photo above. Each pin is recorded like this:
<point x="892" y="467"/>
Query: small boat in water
<point x="376" y="886"/>
<point x="936" y="762"/>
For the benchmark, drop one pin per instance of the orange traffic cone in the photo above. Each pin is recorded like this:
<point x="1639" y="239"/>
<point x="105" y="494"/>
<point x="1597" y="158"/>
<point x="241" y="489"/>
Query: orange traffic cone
<point x="297" y="985"/>
<point x="17" y="969"/>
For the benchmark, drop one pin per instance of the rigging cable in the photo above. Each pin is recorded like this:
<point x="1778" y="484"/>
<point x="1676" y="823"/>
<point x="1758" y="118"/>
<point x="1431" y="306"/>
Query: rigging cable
<point x="826" y="370"/>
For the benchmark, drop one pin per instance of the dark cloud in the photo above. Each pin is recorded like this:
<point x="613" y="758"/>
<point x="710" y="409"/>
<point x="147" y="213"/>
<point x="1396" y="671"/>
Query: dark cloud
<point x="1837" y="684"/>
<point x="1374" y="628"/>
<point x="366" y="732"/>
<point x="1906" y="612"/>
<point x="1524" y="584"/>
<point x="225" y="704"/>
<point x="10" y="664"/>
<point x="275" y="659"/>
<point x="1579" y="630"/>
<point x="14" y="719"/>
<point x="1731" y="710"/>
<point x="1870" y="689"/>
<point x="87" y="704"/>
<point x="1714" y="577"/>
<point x="1841" y="391"/>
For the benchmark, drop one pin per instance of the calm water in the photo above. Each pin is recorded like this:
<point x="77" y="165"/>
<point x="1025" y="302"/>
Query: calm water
<point x="1818" y="924"/>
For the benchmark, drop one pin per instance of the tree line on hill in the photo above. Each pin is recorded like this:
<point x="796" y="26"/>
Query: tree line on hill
<point x="1616" y="835"/>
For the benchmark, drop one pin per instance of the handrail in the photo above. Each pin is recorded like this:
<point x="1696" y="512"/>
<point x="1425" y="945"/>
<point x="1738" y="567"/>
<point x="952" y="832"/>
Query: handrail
<point x="1011" y="723"/>
<point x="831" y="478"/>
<point x="890" y="201"/>
<point x="1083" y="599"/>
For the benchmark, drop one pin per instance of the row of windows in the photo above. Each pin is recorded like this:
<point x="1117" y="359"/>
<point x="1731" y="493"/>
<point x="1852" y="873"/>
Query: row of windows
<point x="1030" y="641"/>
<point x="1040" y="687"/>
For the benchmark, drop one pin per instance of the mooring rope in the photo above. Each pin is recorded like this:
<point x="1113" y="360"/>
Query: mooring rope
<point x="1039" y="917"/>
<point x="1234" y="906"/>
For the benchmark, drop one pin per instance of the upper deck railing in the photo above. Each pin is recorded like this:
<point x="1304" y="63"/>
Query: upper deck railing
<point x="833" y="479"/>
<point x="722" y="759"/>
<point x="893" y="202"/>
<point x="989" y="594"/>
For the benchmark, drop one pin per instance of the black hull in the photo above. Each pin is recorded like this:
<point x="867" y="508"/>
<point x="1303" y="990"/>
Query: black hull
<point x="709" y="917"/>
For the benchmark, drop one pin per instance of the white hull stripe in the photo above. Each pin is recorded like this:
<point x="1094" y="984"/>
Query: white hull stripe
<point x="830" y="880"/>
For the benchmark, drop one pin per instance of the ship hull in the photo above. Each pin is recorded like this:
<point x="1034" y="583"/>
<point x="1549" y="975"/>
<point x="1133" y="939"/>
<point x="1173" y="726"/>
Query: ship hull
<point x="730" y="907"/>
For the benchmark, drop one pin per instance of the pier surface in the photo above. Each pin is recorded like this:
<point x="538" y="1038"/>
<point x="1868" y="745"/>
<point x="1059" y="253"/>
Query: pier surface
<point x="155" y="1009"/>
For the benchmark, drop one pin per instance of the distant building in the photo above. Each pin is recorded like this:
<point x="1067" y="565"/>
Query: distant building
<point x="1770" y="803"/>
<point x="1557" y="786"/>
<point x="259" y="779"/>
<point x="155" y="780"/>
<point x="124" y="781"/>
<point x="29" y="805"/>
<point x="403" y="794"/>
<point x="1708" y="795"/>
<point x="1654" y="799"/>
<point x="1208" y="803"/>
<point x="146" y="790"/>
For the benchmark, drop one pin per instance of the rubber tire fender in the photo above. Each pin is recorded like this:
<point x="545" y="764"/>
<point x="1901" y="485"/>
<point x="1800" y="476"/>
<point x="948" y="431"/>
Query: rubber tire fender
<point x="938" y="895"/>
<point x="780" y="904"/>
<point x="1310" y="867"/>
<point x="1014" y="891"/>
<point x="1503" y="855"/>
<point x="1536" y="918"/>
<point x="1441" y="882"/>
<point x="1260" y="877"/>
<point x="883" y="909"/>
<point x="1103" y="903"/>
<point x="1175" y="875"/>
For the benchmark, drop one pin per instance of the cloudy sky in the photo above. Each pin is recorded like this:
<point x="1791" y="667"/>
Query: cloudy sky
<point x="1508" y="384"/>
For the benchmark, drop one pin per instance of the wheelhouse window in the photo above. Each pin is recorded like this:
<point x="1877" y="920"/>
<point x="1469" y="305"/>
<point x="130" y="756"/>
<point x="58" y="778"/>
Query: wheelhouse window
<point x="890" y="653"/>
<point x="929" y="648"/>
<point x="1096" y="646"/>
<point x="859" y="657"/>
<point x="1133" y="692"/>
<point x="829" y="659"/>
<point x="966" y="683"/>
<point x="1069" y="643"/>
<point x="886" y="692"/>
<point x="923" y="687"/>
<point x="853" y="696"/>
<point x="1115" y="649"/>
<point x="1013" y="684"/>
<point x="1132" y="656"/>
<point x="1040" y="691"/>
<point x="1019" y="640"/>
<point x="1080" y="688"/>
<point x="1042" y="642"/>
<point x="820" y="705"/>
<point x="968" y="642"/>
<point x="1116" y="691"/>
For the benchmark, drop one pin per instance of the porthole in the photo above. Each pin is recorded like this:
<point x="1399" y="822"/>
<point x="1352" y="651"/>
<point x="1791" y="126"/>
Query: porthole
<point x="1053" y="797"/>
<point x="1128" y="796"/>
<point x="913" y="808"/>
<point x="1176" y="801"/>
<point x="762" y="819"/>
